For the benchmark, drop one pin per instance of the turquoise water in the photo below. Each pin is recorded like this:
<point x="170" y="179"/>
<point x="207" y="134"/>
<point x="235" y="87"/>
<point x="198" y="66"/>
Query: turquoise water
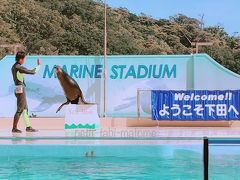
<point x="99" y="168"/>
<point x="165" y="162"/>
<point x="224" y="162"/>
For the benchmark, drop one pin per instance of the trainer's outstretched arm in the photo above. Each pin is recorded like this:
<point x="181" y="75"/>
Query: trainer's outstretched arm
<point x="24" y="70"/>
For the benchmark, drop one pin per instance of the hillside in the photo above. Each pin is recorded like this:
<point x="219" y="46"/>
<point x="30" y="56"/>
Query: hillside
<point x="76" y="27"/>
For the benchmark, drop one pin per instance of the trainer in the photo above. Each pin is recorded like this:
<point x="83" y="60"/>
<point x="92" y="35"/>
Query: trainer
<point x="18" y="72"/>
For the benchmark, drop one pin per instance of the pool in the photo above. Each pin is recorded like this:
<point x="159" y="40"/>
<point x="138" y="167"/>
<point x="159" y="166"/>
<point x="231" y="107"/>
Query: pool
<point x="109" y="160"/>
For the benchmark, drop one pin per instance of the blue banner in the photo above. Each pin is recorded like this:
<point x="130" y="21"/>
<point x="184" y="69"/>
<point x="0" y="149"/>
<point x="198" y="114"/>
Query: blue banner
<point x="196" y="105"/>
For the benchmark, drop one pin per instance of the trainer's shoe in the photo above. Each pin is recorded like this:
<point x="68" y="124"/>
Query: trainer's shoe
<point x="30" y="129"/>
<point x="15" y="130"/>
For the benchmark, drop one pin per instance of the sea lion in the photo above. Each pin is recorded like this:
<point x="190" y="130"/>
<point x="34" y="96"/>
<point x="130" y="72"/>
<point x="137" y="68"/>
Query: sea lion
<point x="70" y="87"/>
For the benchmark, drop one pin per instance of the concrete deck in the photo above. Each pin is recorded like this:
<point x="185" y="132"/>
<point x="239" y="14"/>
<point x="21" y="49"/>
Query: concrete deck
<point x="116" y="127"/>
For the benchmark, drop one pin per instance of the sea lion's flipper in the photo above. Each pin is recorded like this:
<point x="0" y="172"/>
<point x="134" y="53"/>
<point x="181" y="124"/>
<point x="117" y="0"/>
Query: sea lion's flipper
<point x="62" y="106"/>
<point x="81" y="100"/>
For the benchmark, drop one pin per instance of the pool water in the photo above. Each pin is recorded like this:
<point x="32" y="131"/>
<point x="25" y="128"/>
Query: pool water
<point x="100" y="168"/>
<point x="224" y="162"/>
<point x="168" y="162"/>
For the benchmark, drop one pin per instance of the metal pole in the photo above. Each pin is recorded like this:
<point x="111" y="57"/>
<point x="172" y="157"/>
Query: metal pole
<point x="193" y="72"/>
<point x="15" y="50"/>
<point x="138" y="103"/>
<point x="196" y="48"/>
<point x="105" y="55"/>
<point x="197" y="44"/>
<point x="205" y="158"/>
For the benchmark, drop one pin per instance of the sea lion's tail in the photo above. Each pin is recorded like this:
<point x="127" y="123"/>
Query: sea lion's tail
<point x="62" y="106"/>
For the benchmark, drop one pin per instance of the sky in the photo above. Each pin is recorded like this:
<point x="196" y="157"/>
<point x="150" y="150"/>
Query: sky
<point x="225" y="13"/>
